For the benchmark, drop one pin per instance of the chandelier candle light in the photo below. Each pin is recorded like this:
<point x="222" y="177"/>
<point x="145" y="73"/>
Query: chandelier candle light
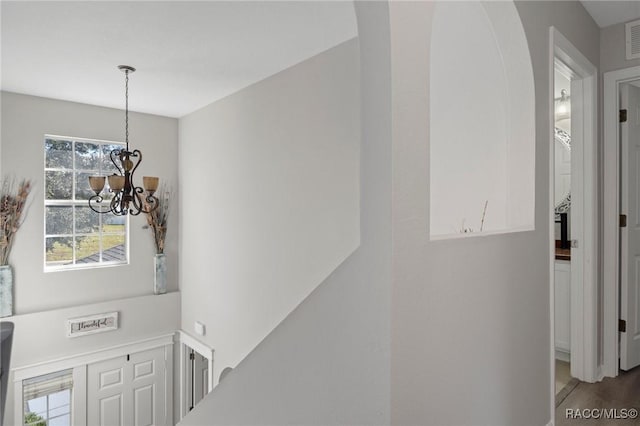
<point x="126" y="196"/>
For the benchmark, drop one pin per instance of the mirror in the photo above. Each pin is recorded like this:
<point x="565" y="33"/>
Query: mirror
<point x="563" y="155"/>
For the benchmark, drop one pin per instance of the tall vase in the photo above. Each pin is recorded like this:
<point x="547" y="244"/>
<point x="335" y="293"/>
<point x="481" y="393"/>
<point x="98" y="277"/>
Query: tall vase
<point x="160" y="276"/>
<point x="6" y="291"/>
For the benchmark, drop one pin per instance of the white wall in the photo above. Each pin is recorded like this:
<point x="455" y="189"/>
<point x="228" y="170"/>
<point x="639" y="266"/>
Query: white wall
<point x="25" y="121"/>
<point x="328" y="362"/>
<point x="270" y="199"/>
<point x="41" y="336"/>
<point x="470" y="320"/>
<point x="470" y="317"/>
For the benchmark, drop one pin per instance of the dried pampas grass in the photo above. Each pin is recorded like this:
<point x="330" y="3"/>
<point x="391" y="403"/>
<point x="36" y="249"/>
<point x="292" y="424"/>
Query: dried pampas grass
<point x="13" y="201"/>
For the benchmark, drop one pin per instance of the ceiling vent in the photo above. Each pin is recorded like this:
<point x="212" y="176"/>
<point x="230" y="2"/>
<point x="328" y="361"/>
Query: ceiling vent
<point x="633" y="40"/>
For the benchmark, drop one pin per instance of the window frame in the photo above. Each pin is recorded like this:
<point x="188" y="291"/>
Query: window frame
<point x="72" y="202"/>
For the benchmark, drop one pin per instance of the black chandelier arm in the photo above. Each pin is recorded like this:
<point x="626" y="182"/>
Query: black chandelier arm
<point x="115" y="154"/>
<point x="117" y="204"/>
<point x="96" y="201"/>
<point x="137" y="202"/>
<point x="151" y="201"/>
<point x="136" y="154"/>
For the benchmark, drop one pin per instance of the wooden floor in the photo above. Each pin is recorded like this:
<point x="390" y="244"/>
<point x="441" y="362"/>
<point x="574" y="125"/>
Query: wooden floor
<point x="623" y="392"/>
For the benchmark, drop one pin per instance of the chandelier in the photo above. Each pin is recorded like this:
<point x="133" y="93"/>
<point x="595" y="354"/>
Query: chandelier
<point x="127" y="197"/>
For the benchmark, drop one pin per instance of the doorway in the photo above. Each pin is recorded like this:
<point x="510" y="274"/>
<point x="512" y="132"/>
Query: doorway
<point x="563" y="76"/>
<point x="196" y="372"/>
<point x="573" y="212"/>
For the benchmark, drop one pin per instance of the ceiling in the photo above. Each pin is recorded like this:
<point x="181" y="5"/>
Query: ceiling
<point x="612" y="12"/>
<point x="187" y="54"/>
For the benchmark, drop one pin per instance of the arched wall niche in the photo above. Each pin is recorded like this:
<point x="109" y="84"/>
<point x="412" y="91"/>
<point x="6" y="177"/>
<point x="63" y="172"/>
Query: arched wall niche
<point x="482" y="121"/>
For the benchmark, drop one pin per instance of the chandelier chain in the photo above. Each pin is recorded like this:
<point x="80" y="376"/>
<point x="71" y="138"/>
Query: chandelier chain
<point x="126" y="111"/>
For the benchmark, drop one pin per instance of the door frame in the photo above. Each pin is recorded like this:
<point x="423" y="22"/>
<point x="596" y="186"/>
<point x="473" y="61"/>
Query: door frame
<point x="611" y="229"/>
<point x="584" y="348"/>
<point x="188" y="342"/>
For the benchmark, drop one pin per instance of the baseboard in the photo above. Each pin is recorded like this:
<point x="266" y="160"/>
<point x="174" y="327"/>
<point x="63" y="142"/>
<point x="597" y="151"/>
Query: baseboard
<point x="563" y="356"/>
<point x="599" y="373"/>
<point x="550" y="423"/>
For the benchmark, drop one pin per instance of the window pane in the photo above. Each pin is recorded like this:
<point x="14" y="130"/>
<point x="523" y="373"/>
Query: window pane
<point x="59" y="250"/>
<point x="58" y="411"/>
<point x="34" y="419"/>
<point x="87" y="156"/>
<point x="113" y="247"/>
<point x="60" y="421"/>
<point x="58" y="185"/>
<point x="108" y="167"/>
<point x="114" y="241"/>
<point x="58" y="154"/>
<point x="87" y="221"/>
<point x="88" y="249"/>
<point x="38" y="405"/>
<point x="83" y="190"/>
<point x="114" y="224"/>
<point x="60" y="399"/>
<point x="107" y="195"/>
<point x="59" y="220"/>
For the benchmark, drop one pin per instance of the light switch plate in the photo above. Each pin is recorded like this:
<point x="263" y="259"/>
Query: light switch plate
<point x="199" y="327"/>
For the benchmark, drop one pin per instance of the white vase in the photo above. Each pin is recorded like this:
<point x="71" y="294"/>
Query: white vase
<point x="6" y="291"/>
<point x="160" y="275"/>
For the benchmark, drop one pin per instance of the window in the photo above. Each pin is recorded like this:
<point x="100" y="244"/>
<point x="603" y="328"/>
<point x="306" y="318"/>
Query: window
<point x="47" y="399"/>
<point x="75" y="235"/>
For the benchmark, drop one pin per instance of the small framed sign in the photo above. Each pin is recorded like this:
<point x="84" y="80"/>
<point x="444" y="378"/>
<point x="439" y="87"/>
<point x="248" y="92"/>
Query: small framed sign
<point x="91" y="324"/>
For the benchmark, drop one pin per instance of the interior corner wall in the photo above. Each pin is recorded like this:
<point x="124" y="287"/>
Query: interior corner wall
<point x="613" y="49"/>
<point x="470" y="317"/>
<point x="269" y="199"/>
<point x="25" y="121"/>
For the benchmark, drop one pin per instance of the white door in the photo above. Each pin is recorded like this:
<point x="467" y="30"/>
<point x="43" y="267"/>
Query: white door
<point x="630" y="235"/>
<point x="128" y="390"/>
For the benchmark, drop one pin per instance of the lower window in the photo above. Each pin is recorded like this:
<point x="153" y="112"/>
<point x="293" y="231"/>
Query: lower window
<point x="47" y="399"/>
